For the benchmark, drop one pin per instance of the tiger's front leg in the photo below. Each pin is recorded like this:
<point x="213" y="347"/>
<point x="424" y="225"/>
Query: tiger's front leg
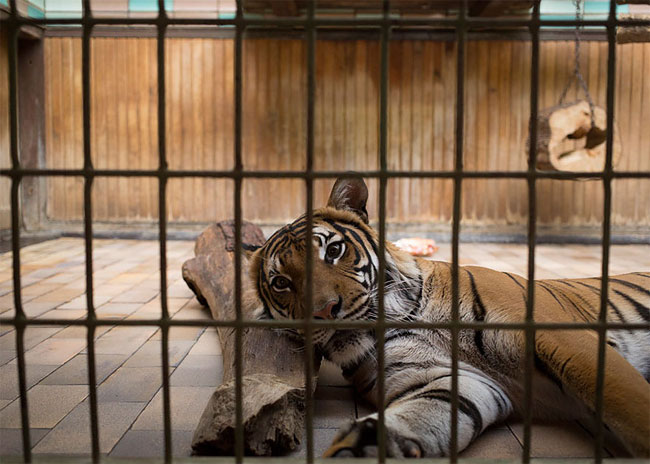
<point x="418" y="420"/>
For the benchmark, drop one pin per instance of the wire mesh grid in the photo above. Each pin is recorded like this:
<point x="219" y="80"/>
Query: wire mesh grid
<point x="461" y="23"/>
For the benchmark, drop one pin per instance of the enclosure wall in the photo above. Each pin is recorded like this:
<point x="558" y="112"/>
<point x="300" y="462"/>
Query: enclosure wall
<point x="421" y="125"/>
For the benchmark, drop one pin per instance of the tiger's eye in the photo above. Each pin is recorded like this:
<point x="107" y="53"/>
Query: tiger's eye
<point x="281" y="283"/>
<point x="333" y="250"/>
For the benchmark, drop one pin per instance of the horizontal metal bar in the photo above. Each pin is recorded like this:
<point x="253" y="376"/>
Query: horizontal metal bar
<point x="297" y="323"/>
<point x="330" y="33"/>
<point x="290" y="460"/>
<point x="329" y="21"/>
<point x="323" y="174"/>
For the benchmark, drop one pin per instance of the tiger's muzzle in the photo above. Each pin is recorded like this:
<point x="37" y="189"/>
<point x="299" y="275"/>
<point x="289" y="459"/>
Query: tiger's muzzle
<point x="330" y="310"/>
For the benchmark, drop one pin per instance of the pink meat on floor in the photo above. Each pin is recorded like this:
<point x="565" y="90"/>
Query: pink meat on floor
<point x="417" y="246"/>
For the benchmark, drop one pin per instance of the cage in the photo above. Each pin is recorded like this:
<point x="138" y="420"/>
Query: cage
<point x="131" y="126"/>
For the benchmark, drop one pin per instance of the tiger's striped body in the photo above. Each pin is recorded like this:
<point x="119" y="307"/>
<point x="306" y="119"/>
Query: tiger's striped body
<point x="418" y="361"/>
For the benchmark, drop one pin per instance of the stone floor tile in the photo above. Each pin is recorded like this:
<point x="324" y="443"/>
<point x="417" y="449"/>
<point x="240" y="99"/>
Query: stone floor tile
<point x="79" y="331"/>
<point x="60" y="296"/>
<point x="494" y="443"/>
<point x="187" y="405"/>
<point x="72" y="434"/>
<point x="110" y="290"/>
<point x="38" y="289"/>
<point x="557" y="440"/>
<point x="35" y="309"/>
<point x="33" y="336"/>
<point x="197" y="376"/>
<point x="130" y="384"/>
<point x="4" y="403"/>
<point x="55" y="351"/>
<point x="137" y="295"/>
<point x="123" y="340"/>
<point x="7" y="356"/>
<point x="322" y="440"/>
<point x="64" y="314"/>
<point x="179" y="289"/>
<point x="119" y="310"/>
<point x="44" y="411"/>
<point x="181" y="333"/>
<point x="330" y="375"/>
<point x="75" y="371"/>
<point x="151" y="443"/>
<point x="150" y="354"/>
<point x="11" y="440"/>
<point x="333" y="406"/>
<point x="80" y="302"/>
<point x="209" y="362"/>
<point x="201" y="314"/>
<point x="9" y="389"/>
<point x="208" y="343"/>
<point x="127" y="278"/>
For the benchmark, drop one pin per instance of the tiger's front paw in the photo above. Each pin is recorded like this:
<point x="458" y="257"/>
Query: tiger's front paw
<point x="359" y="439"/>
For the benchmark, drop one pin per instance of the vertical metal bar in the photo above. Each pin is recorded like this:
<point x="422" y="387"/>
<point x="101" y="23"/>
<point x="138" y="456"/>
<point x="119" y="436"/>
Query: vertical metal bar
<point x="239" y="431"/>
<point x="309" y="261"/>
<point x="162" y="224"/>
<point x="381" y="310"/>
<point x="458" y="178"/>
<point x="91" y="317"/>
<point x="607" y="213"/>
<point x="20" y="319"/>
<point x="532" y="230"/>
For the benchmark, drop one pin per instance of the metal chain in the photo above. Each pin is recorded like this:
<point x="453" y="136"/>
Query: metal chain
<point x="577" y="74"/>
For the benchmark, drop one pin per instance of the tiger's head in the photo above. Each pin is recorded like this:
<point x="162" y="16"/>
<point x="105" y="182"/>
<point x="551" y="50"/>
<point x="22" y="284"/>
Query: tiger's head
<point x="345" y="266"/>
<point x="345" y="263"/>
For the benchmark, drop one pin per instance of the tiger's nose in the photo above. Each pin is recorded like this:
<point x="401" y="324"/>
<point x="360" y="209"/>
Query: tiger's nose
<point x="326" y="311"/>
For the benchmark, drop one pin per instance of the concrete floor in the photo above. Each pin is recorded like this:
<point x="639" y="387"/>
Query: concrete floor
<point x="128" y="358"/>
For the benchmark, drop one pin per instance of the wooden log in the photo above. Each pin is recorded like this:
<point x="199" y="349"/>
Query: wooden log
<point x="273" y="380"/>
<point x="633" y="34"/>
<point x="566" y="140"/>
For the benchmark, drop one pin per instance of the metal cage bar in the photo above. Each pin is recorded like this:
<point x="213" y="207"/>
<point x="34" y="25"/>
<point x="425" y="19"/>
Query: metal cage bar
<point x="161" y="30"/>
<point x="532" y="233"/>
<point x="461" y="33"/>
<point x="380" y="325"/>
<point x="88" y="228"/>
<point x="309" y="258"/>
<point x="238" y="168"/>
<point x="607" y="215"/>
<point x="461" y="24"/>
<point x="19" y="320"/>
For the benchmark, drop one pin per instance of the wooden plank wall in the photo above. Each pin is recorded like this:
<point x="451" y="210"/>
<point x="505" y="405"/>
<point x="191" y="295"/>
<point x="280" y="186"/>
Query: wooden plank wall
<point x="421" y="126"/>
<point x="5" y="151"/>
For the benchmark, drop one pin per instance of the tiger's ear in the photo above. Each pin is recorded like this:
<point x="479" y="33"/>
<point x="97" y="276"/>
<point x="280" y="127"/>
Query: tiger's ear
<point x="249" y="250"/>
<point x="350" y="194"/>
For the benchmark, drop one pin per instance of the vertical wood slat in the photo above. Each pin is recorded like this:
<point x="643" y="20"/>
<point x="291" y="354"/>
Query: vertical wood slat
<point x="5" y="156"/>
<point x="421" y="125"/>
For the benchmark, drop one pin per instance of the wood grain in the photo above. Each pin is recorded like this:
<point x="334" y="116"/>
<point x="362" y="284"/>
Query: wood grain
<point x="200" y="132"/>
<point x="5" y="150"/>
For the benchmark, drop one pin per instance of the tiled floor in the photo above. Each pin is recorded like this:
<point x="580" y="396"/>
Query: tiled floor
<point x="128" y="359"/>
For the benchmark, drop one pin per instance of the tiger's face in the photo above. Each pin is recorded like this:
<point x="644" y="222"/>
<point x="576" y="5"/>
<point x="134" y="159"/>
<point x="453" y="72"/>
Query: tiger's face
<point x="344" y="260"/>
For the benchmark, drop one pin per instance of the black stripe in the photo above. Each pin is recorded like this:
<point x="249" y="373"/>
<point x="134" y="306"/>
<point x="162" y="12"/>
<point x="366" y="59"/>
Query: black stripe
<point x="543" y="285"/>
<point x="546" y="370"/>
<point x="596" y="290"/>
<point x="479" y="314"/>
<point x="588" y="306"/>
<point x="515" y="280"/>
<point x="586" y="318"/>
<point x="631" y="285"/>
<point x="642" y="310"/>
<point x="465" y="405"/>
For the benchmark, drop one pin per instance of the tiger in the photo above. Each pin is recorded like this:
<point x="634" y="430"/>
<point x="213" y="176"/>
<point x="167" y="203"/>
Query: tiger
<point x="418" y="362"/>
